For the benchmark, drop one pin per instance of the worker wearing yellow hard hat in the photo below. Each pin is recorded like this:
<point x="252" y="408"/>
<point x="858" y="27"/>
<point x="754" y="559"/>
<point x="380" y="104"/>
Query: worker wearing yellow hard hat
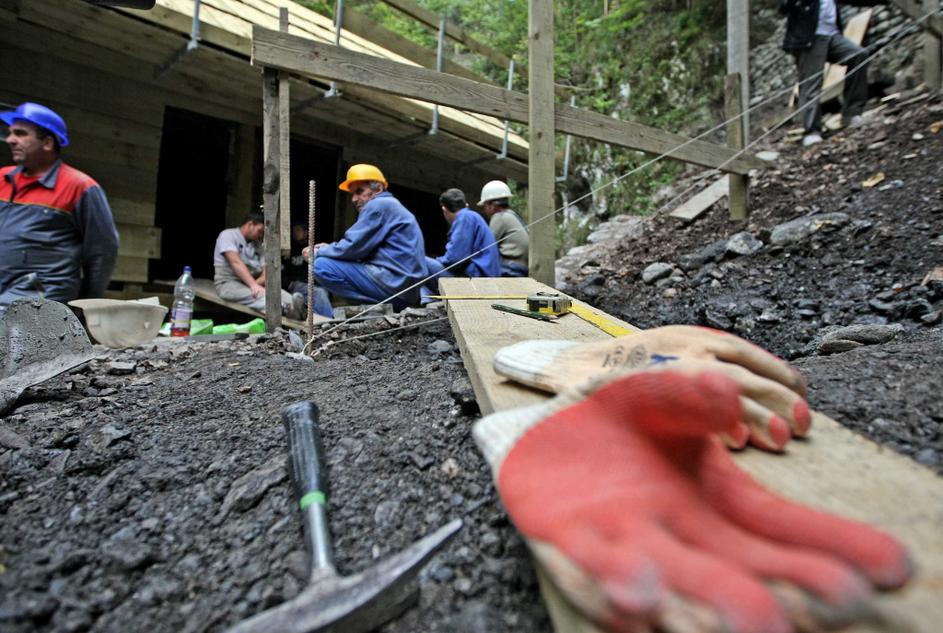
<point x="381" y="256"/>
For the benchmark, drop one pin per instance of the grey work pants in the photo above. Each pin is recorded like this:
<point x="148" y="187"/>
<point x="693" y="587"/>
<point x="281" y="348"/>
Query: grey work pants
<point x="832" y="49"/>
<point x="240" y="293"/>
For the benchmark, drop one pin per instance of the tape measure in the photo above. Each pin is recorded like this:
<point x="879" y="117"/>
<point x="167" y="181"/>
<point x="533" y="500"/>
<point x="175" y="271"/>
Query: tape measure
<point x="554" y="304"/>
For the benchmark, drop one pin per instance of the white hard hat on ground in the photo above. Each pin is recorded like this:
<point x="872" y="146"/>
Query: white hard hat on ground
<point x="115" y="323"/>
<point x="494" y="190"/>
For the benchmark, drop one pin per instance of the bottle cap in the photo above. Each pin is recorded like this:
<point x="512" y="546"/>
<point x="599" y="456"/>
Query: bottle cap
<point x="187" y="269"/>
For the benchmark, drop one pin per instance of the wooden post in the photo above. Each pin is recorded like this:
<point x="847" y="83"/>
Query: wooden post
<point x="931" y="52"/>
<point x="284" y="138"/>
<point x="738" y="193"/>
<point x="271" y="182"/>
<point x="737" y="98"/>
<point x="541" y="167"/>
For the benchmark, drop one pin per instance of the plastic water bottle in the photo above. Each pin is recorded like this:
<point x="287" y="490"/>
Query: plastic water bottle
<point x="182" y="312"/>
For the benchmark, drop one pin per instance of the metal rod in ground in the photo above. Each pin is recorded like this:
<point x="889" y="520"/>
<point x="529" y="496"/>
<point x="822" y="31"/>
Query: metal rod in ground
<point x="311" y="190"/>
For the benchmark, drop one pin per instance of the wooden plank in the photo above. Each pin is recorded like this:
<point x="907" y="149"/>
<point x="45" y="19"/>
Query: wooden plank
<point x="129" y="268"/>
<point x="271" y="183"/>
<point x="284" y="147"/>
<point x="541" y="164"/>
<point x="287" y="52"/>
<point x="738" y="55"/>
<point x="702" y="201"/>
<point x="453" y="31"/>
<point x="855" y="31"/>
<point x="834" y="469"/>
<point x="206" y="290"/>
<point x="392" y="41"/>
<point x="913" y="10"/>
<point x="139" y="241"/>
<point x="932" y="51"/>
<point x="139" y="211"/>
<point x="736" y="109"/>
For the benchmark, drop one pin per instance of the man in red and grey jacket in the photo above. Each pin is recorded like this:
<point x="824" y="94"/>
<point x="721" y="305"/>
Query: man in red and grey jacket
<point x="57" y="236"/>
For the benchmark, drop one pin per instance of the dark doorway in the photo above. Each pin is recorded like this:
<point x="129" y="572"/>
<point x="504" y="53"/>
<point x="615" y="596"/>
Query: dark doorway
<point x="191" y="191"/>
<point x="425" y="206"/>
<point x="310" y="161"/>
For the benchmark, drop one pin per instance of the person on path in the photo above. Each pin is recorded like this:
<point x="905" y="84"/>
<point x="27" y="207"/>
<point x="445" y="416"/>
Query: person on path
<point x="813" y="37"/>
<point x="58" y="238"/>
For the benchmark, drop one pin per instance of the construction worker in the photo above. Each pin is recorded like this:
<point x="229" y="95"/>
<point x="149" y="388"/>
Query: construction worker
<point x="57" y="236"/>
<point x="239" y="268"/>
<point x="381" y="255"/>
<point x="813" y="37"/>
<point x="507" y="226"/>
<point x="470" y="251"/>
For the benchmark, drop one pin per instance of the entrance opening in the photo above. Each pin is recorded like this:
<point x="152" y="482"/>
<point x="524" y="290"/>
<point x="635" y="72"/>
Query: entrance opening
<point x="425" y="206"/>
<point x="319" y="163"/>
<point x="191" y="191"/>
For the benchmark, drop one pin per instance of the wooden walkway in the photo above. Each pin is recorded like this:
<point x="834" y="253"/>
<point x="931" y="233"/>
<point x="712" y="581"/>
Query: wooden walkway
<point x="834" y="469"/>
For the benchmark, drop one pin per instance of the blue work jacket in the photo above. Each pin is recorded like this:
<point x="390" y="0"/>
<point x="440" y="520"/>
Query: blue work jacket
<point x="470" y="239"/>
<point x="387" y="238"/>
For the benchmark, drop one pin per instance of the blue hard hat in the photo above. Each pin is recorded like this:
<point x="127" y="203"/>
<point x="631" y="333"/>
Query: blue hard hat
<point x="38" y="115"/>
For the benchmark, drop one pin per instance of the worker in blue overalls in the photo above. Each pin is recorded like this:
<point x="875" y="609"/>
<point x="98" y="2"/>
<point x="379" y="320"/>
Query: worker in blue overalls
<point x="381" y="256"/>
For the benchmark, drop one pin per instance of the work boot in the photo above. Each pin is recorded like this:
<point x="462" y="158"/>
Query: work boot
<point x="810" y="139"/>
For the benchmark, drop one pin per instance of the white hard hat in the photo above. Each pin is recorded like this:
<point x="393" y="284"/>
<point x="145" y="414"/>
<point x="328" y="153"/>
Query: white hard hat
<point x="494" y="190"/>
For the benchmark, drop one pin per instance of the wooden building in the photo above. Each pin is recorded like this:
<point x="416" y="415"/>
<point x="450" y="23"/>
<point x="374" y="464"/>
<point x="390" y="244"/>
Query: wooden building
<point x="173" y="134"/>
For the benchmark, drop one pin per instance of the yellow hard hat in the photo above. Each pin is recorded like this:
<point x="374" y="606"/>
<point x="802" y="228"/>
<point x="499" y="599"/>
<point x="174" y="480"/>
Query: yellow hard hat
<point x="361" y="172"/>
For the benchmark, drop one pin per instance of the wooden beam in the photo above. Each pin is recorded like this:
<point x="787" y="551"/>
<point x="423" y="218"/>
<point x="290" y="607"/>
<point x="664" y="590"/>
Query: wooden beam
<point x="702" y="201"/>
<point x="736" y="139"/>
<point x="541" y="163"/>
<point x="139" y="241"/>
<point x="931" y="52"/>
<point x="913" y="10"/>
<point x="271" y="183"/>
<point x="295" y="54"/>
<point x="284" y="154"/>
<point x="457" y="33"/>
<point x="833" y="469"/>
<point x="738" y="54"/>
<point x="396" y="43"/>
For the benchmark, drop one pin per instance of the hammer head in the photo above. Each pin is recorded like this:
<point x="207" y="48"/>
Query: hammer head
<point x="353" y="604"/>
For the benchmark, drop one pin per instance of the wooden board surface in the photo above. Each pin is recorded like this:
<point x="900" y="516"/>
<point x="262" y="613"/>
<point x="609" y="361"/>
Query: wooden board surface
<point x="702" y="201"/>
<point x="312" y="59"/>
<point x="204" y="289"/>
<point x="834" y="469"/>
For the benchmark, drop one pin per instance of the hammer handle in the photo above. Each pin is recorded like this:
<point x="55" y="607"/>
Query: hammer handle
<point x="309" y="476"/>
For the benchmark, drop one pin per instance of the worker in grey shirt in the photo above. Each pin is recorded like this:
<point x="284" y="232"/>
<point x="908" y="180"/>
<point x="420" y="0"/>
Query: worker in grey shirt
<point x="508" y="228"/>
<point x="239" y="268"/>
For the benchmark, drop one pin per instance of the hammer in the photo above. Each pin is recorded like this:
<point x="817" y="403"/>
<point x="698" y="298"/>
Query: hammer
<point x="330" y="602"/>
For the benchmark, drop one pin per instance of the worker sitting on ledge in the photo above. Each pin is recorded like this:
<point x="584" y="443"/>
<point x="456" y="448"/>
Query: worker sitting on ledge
<point x="470" y="251"/>
<point x="381" y="256"/>
<point x="240" y="268"/>
<point x="508" y="228"/>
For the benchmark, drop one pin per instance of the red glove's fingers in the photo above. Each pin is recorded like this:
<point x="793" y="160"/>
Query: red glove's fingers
<point x="736" y="438"/>
<point x="826" y="577"/>
<point x="881" y="558"/>
<point x="767" y="430"/>
<point x="745" y="605"/>
<point x="733" y="349"/>
<point x="772" y="395"/>
<point x="667" y="403"/>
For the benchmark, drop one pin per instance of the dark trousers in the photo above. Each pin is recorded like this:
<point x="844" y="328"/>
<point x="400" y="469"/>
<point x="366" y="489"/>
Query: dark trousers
<point x="832" y="49"/>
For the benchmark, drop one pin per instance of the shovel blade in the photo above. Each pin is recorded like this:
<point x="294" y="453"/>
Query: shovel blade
<point x="354" y="604"/>
<point x="39" y="339"/>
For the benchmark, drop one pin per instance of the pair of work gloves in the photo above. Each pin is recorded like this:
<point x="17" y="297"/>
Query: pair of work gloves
<point x="628" y="497"/>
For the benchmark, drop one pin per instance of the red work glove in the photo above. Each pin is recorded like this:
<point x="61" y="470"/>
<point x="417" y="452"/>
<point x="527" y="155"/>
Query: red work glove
<point x="642" y="518"/>
<point x="772" y="392"/>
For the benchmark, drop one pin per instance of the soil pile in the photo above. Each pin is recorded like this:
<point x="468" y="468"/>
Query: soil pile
<point x="147" y="490"/>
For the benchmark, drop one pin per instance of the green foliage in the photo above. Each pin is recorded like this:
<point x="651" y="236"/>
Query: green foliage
<point x="657" y="62"/>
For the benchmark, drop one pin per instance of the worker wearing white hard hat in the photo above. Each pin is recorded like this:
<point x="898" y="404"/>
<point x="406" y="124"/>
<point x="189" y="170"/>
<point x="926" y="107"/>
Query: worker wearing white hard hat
<point x="507" y="226"/>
